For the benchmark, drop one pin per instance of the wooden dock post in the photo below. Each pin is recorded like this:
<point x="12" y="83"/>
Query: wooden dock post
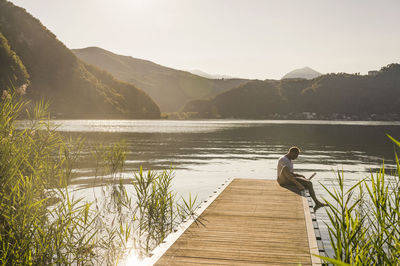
<point x="250" y="221"/>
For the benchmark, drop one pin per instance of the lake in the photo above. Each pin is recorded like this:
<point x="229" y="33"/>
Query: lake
<point x="205" y="153"/>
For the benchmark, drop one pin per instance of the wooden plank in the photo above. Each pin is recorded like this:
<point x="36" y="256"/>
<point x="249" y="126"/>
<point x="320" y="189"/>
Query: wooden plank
<point x="250" y="222"/>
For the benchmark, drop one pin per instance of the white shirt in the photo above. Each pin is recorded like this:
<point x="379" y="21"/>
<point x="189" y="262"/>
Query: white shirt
<point x="282" y="162"/>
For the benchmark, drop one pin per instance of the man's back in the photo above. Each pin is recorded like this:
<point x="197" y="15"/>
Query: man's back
<point x="282" y="162"/>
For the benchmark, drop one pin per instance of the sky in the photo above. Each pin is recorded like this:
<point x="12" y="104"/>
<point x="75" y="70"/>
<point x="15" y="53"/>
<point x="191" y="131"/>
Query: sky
<point x="260" y="39"/>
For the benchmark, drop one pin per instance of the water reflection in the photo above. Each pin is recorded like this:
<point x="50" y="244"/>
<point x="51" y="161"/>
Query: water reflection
<point x="206" y="153"/>
<point x="194" y="143"/>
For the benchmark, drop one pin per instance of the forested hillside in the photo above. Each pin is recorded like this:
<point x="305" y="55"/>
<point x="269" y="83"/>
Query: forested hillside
<point x="331" y="96"/>
<point x="170" y="88"/>
<point x="12" y="71"/>
<point x="75" y="89"/>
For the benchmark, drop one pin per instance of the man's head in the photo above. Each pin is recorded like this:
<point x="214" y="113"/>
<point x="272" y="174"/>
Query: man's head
<point x="293" y="153"/>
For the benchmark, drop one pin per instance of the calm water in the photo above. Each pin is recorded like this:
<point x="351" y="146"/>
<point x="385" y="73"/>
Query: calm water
<point x="206" y="153"/>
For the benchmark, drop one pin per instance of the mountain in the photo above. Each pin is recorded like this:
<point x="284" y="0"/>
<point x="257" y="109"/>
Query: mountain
<point x="76" y="89"/>
<point x="170" y="88"/>
<point x="12" y="71"/>
<point x="330" y="96"/>
<point x="304" y="73"/>
<point x="209" y="76"/>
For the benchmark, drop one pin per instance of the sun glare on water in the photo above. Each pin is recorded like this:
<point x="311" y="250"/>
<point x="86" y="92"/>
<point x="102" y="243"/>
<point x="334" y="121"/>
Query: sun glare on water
<point x="134" y="260"/>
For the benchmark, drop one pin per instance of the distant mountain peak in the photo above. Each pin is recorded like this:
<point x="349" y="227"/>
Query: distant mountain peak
<point x="209" y="76"/>
<point x="307" y="68"/>
<point x="305" y="73"/>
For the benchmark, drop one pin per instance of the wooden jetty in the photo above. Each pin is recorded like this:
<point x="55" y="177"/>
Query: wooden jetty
<point x="249" y="222"/>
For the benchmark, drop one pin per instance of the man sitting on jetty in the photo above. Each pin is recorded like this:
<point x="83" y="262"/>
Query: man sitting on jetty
<point x="288" y="179"/>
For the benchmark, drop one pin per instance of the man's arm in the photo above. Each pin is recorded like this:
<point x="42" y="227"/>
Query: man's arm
<point x="292" y="177"/>
<point x="298" y="175"/>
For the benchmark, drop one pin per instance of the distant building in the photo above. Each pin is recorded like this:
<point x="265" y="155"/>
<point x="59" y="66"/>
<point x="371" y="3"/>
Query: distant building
<point x="309" y="116"/>
<point x="373" y="73"/>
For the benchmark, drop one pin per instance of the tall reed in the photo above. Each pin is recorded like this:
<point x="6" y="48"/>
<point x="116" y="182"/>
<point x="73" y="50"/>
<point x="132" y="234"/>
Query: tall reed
<point x="158" y="210"/>
<point x="34" y="168"/>
<point x="42" y="223"/>
<point x="365" y="229"/>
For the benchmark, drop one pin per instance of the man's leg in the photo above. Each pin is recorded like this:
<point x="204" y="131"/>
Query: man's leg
<point x="309" y="185"/>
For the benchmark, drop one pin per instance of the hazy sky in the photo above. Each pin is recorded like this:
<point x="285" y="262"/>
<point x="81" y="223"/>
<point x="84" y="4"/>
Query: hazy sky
<point x="244" y="38"/>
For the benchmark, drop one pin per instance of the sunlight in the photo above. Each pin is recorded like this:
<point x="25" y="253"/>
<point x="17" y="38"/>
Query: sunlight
<point x="133" y="259"/>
